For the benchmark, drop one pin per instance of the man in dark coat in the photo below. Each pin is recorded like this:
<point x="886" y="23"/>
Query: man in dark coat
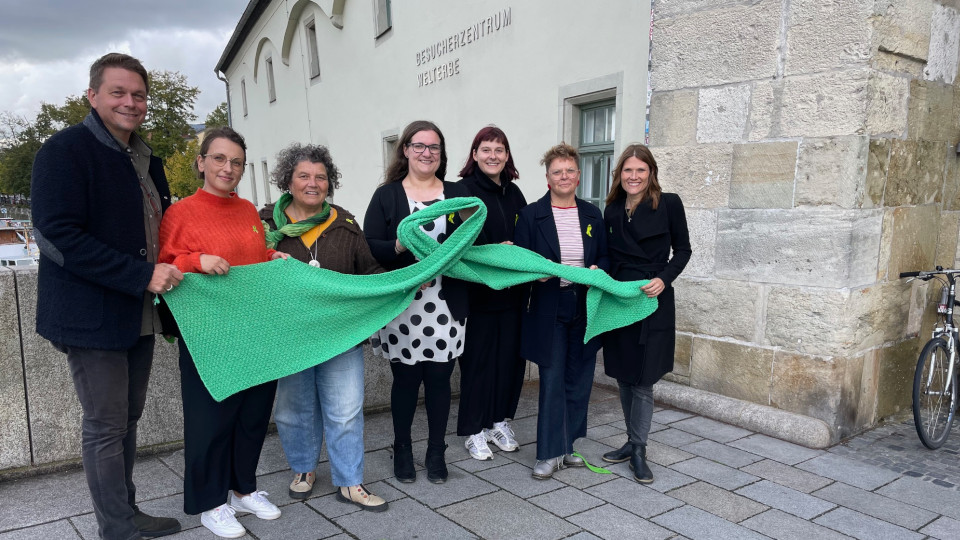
<point x="98" y="197"/>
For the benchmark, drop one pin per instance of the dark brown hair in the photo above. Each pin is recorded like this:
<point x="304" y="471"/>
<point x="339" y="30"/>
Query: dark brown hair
<point x="642" y="153"/>
<point x="212" y="134"/>
<point x="491" y="134"/>
<point x="398" y="168"/>
<point x="117" y="60"/>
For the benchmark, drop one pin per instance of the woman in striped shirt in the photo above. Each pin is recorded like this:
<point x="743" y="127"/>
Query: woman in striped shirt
<point x="570" y="231"/>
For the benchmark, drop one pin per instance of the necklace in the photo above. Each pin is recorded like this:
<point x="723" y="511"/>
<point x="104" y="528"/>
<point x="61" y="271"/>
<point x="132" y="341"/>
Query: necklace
<point x="313" y="256"/>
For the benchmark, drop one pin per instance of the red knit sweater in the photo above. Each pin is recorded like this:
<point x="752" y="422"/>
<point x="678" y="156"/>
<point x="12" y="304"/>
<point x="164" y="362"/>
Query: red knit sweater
<point x="205" y="223"/>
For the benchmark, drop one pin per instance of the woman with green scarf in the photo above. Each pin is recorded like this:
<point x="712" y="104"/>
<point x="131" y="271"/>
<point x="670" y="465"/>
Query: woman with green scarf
<point x="325" y="400"/>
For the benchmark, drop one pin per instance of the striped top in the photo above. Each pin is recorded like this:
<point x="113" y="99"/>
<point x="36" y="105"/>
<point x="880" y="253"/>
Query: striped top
<point x="568" y="232"/>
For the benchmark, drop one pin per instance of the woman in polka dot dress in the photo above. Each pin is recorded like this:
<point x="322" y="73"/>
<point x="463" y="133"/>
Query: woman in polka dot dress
<point x="423" y="341"/>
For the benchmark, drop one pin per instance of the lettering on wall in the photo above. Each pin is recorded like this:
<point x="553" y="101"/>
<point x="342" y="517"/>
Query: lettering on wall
<point x="471" y="34"/>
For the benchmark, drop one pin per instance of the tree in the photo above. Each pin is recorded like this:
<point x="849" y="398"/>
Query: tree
<point x="218" y="117"/>
<point x="169" y="113"/>
<point x="53" y="118"/>
<point x="181" y="177"/>
<point x="19" y="143"/>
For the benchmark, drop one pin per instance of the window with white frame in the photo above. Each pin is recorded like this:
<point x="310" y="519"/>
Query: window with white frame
<point x="266" y="182"/>
<point x="243" y="95"/>
<point x="389" y="148"/>
<point x="253" y="183"/>
<point x="382" y="19"/>
<point x="596" y="139"/>
<point x="271" y="87"/>
<point x="313" y="49"/>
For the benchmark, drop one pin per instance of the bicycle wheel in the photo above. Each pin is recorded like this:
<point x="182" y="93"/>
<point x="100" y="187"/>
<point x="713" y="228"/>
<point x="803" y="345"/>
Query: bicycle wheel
<point x="933" y="394"/>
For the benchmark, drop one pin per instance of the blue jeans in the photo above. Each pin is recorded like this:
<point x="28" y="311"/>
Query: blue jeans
<point x="325" y="400"/>
<point x="566" y="383"/>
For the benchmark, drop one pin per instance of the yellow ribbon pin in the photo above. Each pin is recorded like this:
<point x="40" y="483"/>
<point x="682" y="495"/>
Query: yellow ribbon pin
<point x="589" y="230"/>
<point x="450" y="217"/>
<point x="255" y="229"/>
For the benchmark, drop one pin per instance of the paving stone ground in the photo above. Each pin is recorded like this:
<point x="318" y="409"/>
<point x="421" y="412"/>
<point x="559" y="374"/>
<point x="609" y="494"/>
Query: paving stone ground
<point x="712" y="480"/>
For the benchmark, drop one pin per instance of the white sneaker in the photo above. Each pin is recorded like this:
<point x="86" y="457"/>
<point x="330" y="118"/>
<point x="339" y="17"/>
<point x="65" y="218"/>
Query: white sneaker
<point x="477" y="445"/>
<point x="502" y="436"/>
<point x="255" y="503"/>
<point x="221" y="522"/>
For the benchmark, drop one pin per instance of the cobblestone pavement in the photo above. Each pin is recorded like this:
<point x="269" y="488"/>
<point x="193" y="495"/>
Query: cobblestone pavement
<point x="712" y="480"/>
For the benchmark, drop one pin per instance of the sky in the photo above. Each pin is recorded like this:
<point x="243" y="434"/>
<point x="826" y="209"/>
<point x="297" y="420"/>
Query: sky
<point x="47" y="46"/>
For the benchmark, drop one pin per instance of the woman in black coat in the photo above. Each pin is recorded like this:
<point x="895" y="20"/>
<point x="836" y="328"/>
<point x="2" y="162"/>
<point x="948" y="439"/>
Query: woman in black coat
<point x="567" y="230"/>
<point x="644" y="226"/>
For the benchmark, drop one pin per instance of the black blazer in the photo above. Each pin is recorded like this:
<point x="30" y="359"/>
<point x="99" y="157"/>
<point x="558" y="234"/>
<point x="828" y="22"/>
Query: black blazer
<point x="537" y="231"/>
<point x="387" y="208"/>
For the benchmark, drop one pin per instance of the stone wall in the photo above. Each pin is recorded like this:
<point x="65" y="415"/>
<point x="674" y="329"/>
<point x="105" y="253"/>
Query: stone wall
<point x="39" y="412"/>
<point x="813" y="144"/>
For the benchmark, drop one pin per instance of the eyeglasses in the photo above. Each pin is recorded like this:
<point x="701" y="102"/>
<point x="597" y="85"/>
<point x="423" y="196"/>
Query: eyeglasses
<point x="222" y="160"/>
<point x="558" y="173"/>
<point x="418" y="148"/>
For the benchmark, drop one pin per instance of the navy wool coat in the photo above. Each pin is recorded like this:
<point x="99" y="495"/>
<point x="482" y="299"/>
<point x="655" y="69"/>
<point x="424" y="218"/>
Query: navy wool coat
<point x="537" y="231"/>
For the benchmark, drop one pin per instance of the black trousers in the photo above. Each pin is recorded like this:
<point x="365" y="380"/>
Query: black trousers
<point x="435" y="377"/>
<point x="491" y="370"/>
<point x="222" y="440"/>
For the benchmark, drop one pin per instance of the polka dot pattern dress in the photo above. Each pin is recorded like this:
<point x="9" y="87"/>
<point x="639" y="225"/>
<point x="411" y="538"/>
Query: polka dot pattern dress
<point x="425" y="331"/>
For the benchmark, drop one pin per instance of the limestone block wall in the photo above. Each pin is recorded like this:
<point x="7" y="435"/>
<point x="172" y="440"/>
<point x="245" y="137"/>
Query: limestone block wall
<point x="814" y="146"/>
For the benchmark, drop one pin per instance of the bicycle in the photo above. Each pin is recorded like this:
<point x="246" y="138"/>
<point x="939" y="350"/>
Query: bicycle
<point x="935" y="380"/>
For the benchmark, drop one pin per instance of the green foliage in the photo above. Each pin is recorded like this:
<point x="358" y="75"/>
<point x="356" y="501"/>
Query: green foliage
<point x="53" y="118"/>
<point x="19" y="143"/>
<point x="169" y="113"/>
<point x="181" y="177"/>
<point x="218" y="117"/>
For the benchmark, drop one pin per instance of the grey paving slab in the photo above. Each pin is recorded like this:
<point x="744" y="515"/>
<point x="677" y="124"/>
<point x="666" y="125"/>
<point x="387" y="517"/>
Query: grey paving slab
<point x="783" y="526"/>
<point x="674" y="437"/>
<point x="566" y="501"/>
<point x="925" y="495"/>
<point x="525" y="430"/>
<point x="196" y="533"/>
<point x="669" y="416"/>
<point x="174" y="461"/>
<point x="664" y="478"/>
<point x="878" y="506"/>
<point x="582" y="477"/>
<point x="848" y="471"/>
<point x="459" y="486"/>
<point x="583" y="535"/>
<point x="277" y="484"/>
<point x="719" y="502"/>
<point x="634" y="497"/>
<point x="610" y="522"/>
<point x="517" y="479"/>
<point x="515" y="518"/>
<point x="775" y="449"/>
<point x="377" y="431"/>
<point x="86" y="525"/>
<point x="475" y="465"/>
<point x="721" y="453"/>
<point x="154" y="479"/>
<point x="61" y="530"/>
<point x="171" y="506"/>
<point x="297" y="521"/>
<point x="713" y="472"/>
<point x="599" y="432"/>
<point x="862" y="526"/>
<point x="665" y="455"/>
<point x="788" y="500"/>
<point x="417" y="521"/>
<point x="711" y="429"/>
<point x="698" y="524"/>
<point x="19" y="508"/>
<point x="786" y="475"/>
<point x="377" y="465"/>
<point x="943" y="528"/>
<point x="272" y="458"/>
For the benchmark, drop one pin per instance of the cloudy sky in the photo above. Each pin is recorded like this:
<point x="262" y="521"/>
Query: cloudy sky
<point x="47" y="46"/>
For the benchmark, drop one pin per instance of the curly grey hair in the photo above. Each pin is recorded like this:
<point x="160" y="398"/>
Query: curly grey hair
<point x="289" y="157"/>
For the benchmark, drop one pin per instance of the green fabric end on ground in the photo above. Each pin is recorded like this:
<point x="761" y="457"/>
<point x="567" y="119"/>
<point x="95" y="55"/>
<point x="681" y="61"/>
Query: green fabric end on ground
<point x="265" y="321"/>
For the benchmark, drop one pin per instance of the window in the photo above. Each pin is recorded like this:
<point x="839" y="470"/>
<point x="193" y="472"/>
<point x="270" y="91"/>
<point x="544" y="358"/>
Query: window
<point x="253" y="182"/>
<point x="266" y="182"/>
<point x="313" y="50"/>
<point x="243" y="96"/>
<point x="597" y="128"/>
<point x="271" y="88"/>
<point x="389" y="148"/>
<point x="382" y="19"/>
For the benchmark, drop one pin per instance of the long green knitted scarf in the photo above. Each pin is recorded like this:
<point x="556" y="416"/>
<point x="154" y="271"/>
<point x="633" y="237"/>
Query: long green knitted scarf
<point x="228" y="322"/>
<point x="285" y="228"/>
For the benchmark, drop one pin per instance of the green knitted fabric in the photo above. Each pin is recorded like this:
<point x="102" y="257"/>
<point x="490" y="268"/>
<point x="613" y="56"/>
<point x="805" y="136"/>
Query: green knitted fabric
<point x="265" y="321"/>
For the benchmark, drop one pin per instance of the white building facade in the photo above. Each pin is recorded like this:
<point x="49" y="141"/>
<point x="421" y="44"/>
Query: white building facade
<point x="351" y="74"/>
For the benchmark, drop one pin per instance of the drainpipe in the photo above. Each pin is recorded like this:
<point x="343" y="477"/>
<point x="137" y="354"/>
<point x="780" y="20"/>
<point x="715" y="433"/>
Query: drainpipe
<point x="229" y="108"/>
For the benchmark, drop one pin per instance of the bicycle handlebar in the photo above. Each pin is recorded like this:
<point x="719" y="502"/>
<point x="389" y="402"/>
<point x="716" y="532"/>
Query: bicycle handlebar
<point x="909" y="274"/>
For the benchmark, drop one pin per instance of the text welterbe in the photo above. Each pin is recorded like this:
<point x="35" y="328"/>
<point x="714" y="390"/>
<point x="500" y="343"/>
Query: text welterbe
<point x="443" y="71"/>
<point x="485" y="27"/>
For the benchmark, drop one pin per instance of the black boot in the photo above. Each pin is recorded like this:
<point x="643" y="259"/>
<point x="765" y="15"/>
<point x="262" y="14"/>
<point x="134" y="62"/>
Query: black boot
<point x="436" y="467"/>
<point x="621" y="455"/>
<point x="403" y="462"/>
<point x="638" y="464"/>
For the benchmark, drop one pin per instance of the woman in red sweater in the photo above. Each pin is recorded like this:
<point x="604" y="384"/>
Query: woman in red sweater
<point x="208" y="232"/>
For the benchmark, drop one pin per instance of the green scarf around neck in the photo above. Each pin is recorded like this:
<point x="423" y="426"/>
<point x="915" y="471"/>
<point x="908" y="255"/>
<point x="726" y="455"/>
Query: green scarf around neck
<point x="261" y="322"/>
<point x="285" y="228"/>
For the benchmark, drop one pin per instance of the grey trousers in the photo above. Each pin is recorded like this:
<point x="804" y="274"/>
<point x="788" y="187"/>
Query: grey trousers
<point x="637" y="403"/>
<point x="112" y="389"/>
